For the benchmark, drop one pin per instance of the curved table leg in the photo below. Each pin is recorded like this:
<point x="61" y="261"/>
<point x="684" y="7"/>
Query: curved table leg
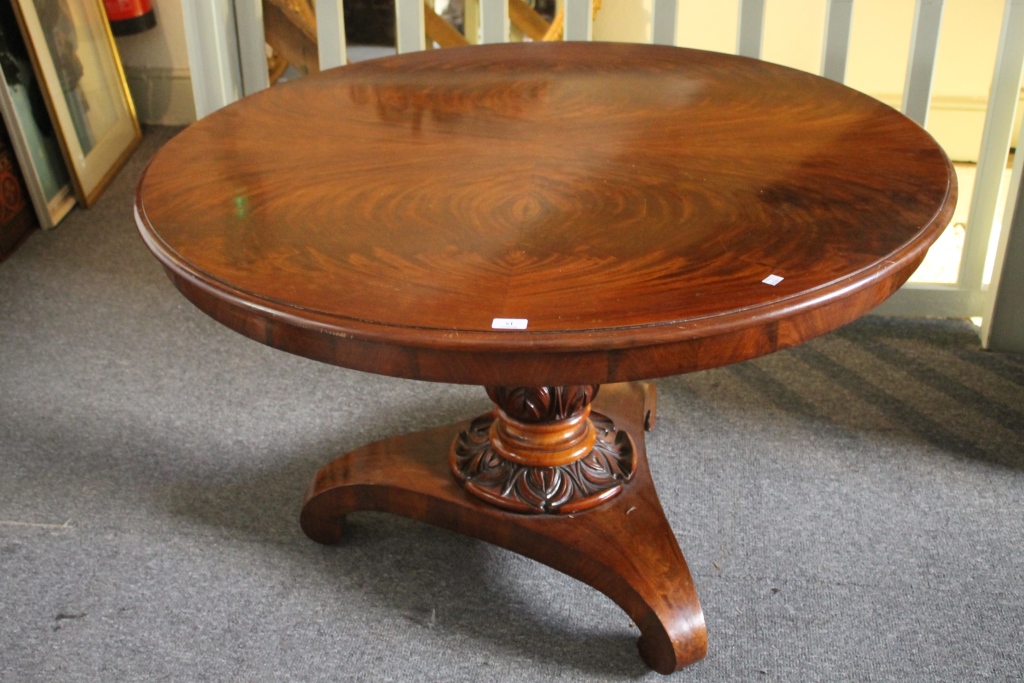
<point x="625" y="547"/>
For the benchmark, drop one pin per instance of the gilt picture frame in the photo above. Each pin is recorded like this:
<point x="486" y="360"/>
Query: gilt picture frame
<point x="83" y="83"/>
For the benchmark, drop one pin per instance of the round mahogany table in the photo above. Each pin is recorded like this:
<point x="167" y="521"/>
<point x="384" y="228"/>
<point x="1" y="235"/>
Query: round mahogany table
<point x="543" y="219"/>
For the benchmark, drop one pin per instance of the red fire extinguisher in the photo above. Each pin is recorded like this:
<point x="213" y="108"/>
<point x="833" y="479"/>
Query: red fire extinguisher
<point x="129" y="16"/>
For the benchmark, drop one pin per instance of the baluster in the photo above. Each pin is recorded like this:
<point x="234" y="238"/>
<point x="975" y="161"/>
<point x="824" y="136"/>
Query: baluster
<point x="494" y="21"/>
<point x="663" y="22"/>
<point x="924" y="44"/>
<point x="751" y="28"/>
<point x="330" y="34"/>
<point x="410" y="33"/>
<point x="995" y="144"/>
<point x="579" y="20"/>
<point x="838" y="19"/>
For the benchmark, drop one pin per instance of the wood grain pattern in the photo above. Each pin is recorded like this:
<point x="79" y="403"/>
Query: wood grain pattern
<point x="644" y="573"/>
<point x="628" y="200"/>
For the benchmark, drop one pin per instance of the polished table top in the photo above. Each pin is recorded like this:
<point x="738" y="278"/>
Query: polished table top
<point x="625" y="203"/>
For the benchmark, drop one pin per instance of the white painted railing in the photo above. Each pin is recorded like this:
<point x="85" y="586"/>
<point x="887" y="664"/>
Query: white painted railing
<point x="838" y="21"/>
<point x="225" y="67"/>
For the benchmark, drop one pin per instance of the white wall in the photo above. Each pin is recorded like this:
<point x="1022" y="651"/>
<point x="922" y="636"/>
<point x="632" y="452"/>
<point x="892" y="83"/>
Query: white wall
<point x="156" y="66"/>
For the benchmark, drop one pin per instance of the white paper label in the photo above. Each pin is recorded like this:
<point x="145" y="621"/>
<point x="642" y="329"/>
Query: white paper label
<point x="508" y="324"/>
<point x="773" y="280"/>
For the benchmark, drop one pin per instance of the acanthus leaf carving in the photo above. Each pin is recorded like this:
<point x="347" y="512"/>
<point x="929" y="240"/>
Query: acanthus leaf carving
<point x="542" y="404"/>
<point x="579" y="485"/>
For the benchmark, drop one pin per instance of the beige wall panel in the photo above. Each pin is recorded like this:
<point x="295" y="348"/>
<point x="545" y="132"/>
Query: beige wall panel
<point x="794" y="33"/>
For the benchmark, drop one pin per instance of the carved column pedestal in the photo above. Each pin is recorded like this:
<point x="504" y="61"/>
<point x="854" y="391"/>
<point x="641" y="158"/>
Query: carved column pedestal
<point x="541" y="450"/>
<point x="580" y="475"/>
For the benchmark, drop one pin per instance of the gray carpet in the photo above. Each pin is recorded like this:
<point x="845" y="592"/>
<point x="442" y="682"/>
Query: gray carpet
<point x="851" y="510"/>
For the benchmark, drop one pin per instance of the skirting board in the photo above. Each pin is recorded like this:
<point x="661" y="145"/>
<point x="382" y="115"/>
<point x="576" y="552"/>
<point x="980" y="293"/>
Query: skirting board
<point x="162" y="96"/>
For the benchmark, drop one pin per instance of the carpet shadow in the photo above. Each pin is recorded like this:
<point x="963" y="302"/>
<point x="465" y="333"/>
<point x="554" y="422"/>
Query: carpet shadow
<point x="911" y="382"/>
<point x="417" y="573"/>
<point x="499" y="603"/>
<point x="262" y="503"/>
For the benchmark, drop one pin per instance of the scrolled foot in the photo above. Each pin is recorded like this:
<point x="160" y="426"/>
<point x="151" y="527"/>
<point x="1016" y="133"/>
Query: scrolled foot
<point x="320" y="525"/>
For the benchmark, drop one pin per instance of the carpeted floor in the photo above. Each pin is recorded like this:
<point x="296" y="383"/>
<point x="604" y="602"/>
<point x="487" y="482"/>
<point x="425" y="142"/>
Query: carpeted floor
<point x="852" y="509"/>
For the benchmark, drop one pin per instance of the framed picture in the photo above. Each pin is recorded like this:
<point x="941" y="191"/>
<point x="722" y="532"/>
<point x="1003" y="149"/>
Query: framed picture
<point x="83" y="84"/>
<point x="28" y="124"/>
